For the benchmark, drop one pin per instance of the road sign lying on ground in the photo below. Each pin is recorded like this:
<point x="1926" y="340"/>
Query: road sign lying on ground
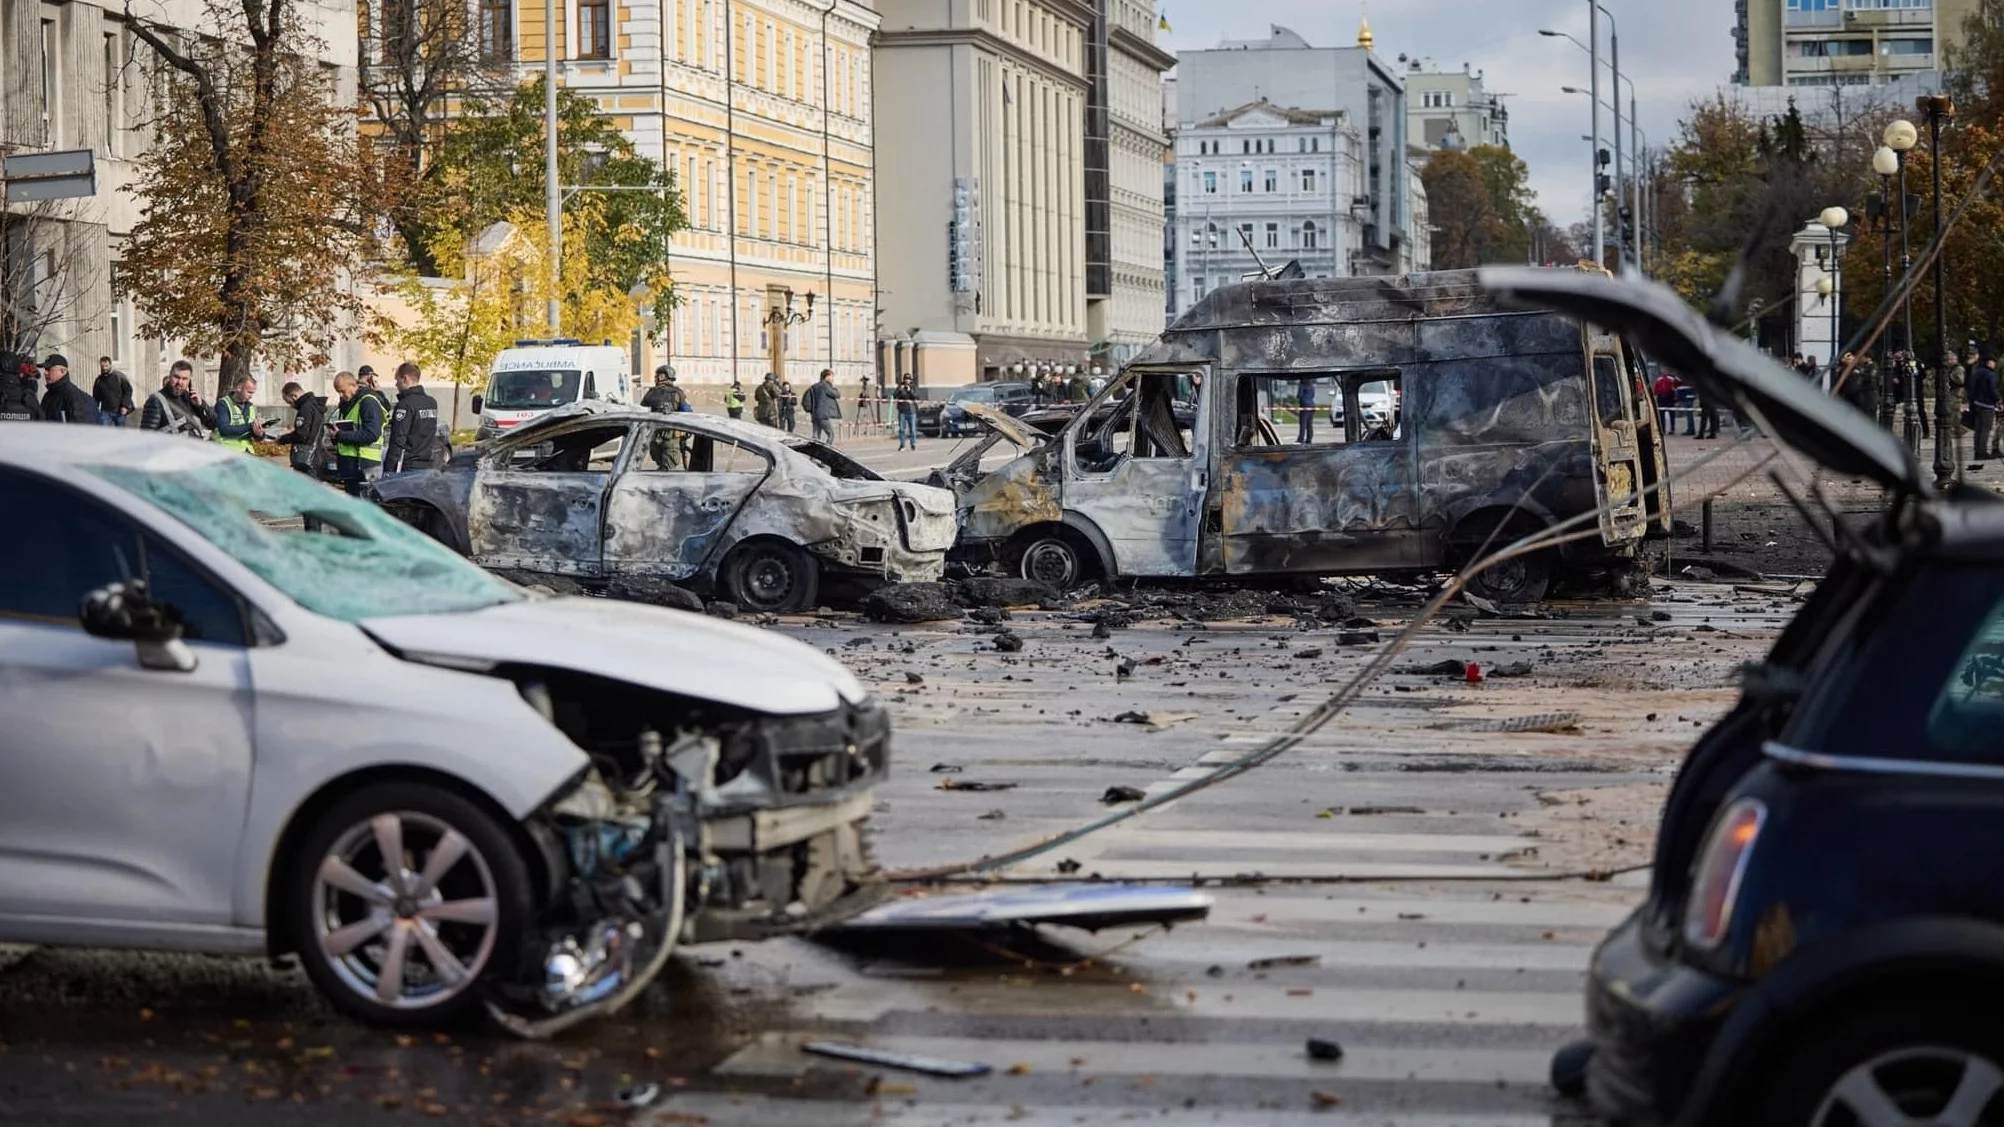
<point x="1082" y="905"/>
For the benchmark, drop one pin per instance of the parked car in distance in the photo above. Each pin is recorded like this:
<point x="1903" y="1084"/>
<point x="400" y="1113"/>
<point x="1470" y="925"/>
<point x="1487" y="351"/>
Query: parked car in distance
<point x="598" y="494"/>
<point x="246" y="714"/>
<point x="1823" y="940"/>
<point x="950" y="420"/>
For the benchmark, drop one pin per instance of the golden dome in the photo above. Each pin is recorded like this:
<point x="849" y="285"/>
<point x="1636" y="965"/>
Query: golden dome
<point x="1364" y="37"/>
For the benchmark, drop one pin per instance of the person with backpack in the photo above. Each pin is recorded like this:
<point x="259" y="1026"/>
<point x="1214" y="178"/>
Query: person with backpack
<point x="19" y="402"/>
<point x="62" y="400"/>
<point x="307" y="440"/>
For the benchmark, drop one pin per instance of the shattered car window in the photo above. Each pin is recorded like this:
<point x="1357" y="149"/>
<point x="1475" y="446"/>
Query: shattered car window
<point x="330" y="553"/>
<point x="592" y="450"/>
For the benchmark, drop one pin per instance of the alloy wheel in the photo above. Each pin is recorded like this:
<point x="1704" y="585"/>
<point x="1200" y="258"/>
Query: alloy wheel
<point x="404" y="909"/>
<point x="1924" y="1086"/>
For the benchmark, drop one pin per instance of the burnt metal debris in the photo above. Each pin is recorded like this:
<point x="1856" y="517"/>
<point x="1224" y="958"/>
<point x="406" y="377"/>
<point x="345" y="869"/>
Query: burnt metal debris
<point x="1463" y="423"/>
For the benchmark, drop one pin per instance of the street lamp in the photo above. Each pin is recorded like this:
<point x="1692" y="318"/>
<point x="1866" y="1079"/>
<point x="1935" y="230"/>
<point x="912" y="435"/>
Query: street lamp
<point x="1594" y="11"/>
<point x="1885" y="163"/>
<point x="1833" y="219"/>
<point x="1901" y="136"/>
<point x="1947" y="446"/>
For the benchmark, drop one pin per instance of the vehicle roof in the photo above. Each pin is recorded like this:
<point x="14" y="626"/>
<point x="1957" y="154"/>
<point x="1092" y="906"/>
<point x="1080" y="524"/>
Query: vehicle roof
<point x="610" y="410"/>
<point x="54" y="446"/>
<point x="548" y="353"/>
<point x="1344" y="301"/>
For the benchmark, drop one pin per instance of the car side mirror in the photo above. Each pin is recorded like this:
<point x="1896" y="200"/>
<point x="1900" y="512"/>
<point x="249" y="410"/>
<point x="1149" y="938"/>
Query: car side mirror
<point x="476" y="403"/>
<point x="126" y="612"/>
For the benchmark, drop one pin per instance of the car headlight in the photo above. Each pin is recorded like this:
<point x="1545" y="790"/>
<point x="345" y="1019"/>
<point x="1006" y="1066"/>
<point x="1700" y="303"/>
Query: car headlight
<point x="1708" y="915"/>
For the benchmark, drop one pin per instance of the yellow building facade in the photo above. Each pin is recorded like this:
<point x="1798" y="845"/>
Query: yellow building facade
<point x="762" y="110"/>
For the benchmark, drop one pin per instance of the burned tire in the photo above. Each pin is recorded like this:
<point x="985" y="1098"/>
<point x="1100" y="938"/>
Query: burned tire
<point x="1916" y="1062"/>
<point x="408" y="904"/>
<point x="771" y="577"/>
<point x="1524" y="579"/>
<point x="1050" y="558"/>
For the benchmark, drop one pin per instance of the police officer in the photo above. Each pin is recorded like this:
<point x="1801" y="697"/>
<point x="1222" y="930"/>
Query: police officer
<point x="18" y="401"/>
<point x="371" y="386"/>
<point x="63" y="401"/>
<point x="413" y="443"/>
<point x="358" y="434"/>
<point x="734" y="400"/>
<point x="237" y="424"/>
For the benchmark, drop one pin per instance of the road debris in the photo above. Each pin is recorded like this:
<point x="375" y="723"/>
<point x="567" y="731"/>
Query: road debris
<point x="909" y="1062"/>
<point x="1117" y="795"/>
<point x="640" y="1095"/>
<point x="951" y="783"/>
<point x="1275" y="961"/>
<point x="1008" y="642"/>
<point x="1547" y="722"/>
<point x="1448" y="668"/>
<point x="1320" y="1048"/>
<point x="912" y="603"/>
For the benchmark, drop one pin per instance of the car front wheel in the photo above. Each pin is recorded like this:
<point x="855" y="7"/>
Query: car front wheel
<point x="408" y="902"/>
<point x="1938" y="1066"/>
<point x="771" y="577"/>
<point x="1051" y="560"/>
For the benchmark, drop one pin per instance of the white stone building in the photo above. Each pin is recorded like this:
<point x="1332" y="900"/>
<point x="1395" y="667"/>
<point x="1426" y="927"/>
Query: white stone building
<point x="1285" y="180"/>
<point x="1453" y="109"/>
<point x="1124" y="211"/>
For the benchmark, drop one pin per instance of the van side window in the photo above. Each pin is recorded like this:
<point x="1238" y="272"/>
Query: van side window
<point x="1317" y="409"/>
<point x="1609" y="398"/>
<point x="1164" y="415"/>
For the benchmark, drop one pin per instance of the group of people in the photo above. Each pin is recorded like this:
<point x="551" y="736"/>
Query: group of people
<point x="365" y="433"/>
<point x="774" y="403"/>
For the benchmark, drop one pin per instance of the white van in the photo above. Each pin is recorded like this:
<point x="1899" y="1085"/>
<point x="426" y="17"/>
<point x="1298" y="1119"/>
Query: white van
<point x="540" y="375"/>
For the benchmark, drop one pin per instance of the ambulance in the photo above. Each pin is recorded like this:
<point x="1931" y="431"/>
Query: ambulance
<point x="537" y="376"/>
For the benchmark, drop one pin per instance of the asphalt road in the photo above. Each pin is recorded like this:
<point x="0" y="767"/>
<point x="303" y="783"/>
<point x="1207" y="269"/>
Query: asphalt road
<point x="1446" y="975"/>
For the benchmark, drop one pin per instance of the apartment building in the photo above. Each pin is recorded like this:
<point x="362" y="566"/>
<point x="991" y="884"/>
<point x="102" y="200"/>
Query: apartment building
<point x="1124" y="188"/>
<point x="1449" y="109"/>
<point x="1842" y="42"/>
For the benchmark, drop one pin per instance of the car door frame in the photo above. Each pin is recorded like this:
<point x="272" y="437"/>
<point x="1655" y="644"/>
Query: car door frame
<point x="716" y="538"/>
<point x="1617" y="444"/>
<point x="1146" y="542"/>
<point x="584" y="530"/>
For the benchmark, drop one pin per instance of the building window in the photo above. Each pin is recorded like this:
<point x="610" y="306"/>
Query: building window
<point x="1197" y="289"/>
<point x="1315" y="144"/>
<point x="1245" y="179"/>
<point x="497" y="29"/>
<point x="1245" y="235"/>
<point x="1308" y="235"/>
<point x="1245" y="146"/>
<point x="114" y="89"/>
<point x="52" y="56"/>
<point x="595" y="29"/>
<point x="1272" y="236"/>
<point x="1272" y="180"/>
<point x="1307" y="179"/>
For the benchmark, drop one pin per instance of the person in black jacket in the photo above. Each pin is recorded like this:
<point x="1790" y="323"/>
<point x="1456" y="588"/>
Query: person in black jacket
<point x="62" y="400"/>
<point x="18" y="401"/>
<point x="113" y="393"/>
<point x="413" y="425"/>
<point x="175" y="408"/>
<point x="307" y="439"/>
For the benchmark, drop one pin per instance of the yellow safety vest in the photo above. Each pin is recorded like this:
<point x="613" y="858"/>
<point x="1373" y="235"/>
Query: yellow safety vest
<point x="236" y="414"/>
<point x="372" y="452"/>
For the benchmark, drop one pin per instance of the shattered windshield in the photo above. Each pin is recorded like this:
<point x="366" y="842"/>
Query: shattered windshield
<point x="528" y="389"/>
<point x="328" y="552"/>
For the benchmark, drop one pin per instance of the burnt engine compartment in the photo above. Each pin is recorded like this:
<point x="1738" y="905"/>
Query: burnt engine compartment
<point x="695" y="822"/>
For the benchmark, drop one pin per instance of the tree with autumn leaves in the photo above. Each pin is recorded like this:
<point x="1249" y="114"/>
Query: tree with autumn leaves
<point x="249" y="236"/>
<point x="1482" y="207"/>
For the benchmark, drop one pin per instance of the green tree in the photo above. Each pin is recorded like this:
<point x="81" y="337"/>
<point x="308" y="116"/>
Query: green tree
<point x="630" y="210"/>
<point x="1507" y="180"/>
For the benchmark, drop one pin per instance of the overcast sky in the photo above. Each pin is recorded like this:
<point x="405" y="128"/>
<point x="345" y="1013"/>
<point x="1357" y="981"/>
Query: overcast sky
<point x="1673" y="51"/>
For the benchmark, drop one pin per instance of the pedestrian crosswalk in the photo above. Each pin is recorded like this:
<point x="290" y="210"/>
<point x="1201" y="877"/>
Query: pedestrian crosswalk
<point x="1446" y="1001"/>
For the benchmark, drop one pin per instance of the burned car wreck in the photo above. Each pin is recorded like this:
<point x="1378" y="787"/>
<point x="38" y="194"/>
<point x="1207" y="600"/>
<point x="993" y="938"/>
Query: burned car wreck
<point x="1252" y="440"/>
<point x="632" y="502"/>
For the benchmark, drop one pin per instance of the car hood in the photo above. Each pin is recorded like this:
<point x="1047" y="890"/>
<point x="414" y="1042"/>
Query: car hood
<point x="1723" y="367"/>
<point x="1004" y="424"/>
<point x="672" y="651"/>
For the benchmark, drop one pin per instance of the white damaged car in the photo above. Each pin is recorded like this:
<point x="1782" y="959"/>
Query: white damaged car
<point x="626" y="501"/>
<point x="243" y="713"/>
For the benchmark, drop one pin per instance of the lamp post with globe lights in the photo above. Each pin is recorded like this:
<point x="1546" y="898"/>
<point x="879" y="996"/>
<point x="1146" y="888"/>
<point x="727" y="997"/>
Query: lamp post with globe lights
<point x="1947" y="455"/>
<point x="1834" y="220"/>
<point x="1886" y="163"/>
<point x="1901" y="137"/>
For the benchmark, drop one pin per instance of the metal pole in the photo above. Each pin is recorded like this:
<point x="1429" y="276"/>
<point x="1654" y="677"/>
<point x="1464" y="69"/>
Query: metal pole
<point x="1885" y="339"/>
<point x="1593" y="155"/>
<point x="1635" y="178"/>
<point x="1946" y="443"/>
<point x="553" y="204"/>
<point x="1910" y="381"/>
<point x="1836" y="296"/>
<point x="1614" y="90"/>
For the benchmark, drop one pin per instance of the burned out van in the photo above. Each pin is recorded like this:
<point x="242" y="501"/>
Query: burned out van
<point x="1334" y="426"/>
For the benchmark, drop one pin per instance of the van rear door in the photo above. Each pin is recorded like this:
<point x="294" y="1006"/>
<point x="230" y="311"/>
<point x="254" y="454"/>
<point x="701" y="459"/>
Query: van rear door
<point x="1617" y="448"/>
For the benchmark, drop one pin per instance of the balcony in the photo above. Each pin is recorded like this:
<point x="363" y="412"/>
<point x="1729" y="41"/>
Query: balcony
<point x="1891" y="19"/>
<point x="1806" y="20"/>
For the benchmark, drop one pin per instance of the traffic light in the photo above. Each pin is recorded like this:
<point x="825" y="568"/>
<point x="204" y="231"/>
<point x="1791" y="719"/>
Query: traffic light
<point x="1603" y="158"/>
